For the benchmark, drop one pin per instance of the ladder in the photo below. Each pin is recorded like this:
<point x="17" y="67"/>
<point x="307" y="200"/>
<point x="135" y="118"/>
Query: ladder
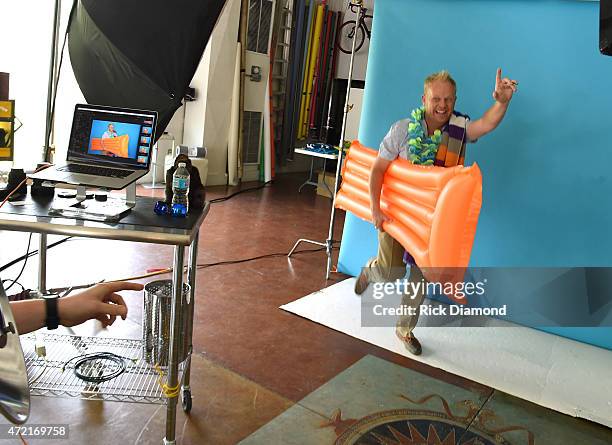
<point x="279" y="66"/>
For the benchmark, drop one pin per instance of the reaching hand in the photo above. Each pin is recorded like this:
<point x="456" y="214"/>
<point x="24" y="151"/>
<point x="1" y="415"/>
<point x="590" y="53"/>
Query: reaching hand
<point x="99" y="302"/>
<point x="378" y="218"/>
<point x="504" y="88"/>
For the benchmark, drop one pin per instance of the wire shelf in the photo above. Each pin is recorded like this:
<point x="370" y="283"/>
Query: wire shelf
<point x="47" y="376"/>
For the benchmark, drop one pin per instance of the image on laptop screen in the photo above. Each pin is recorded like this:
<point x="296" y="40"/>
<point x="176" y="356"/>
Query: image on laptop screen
<point x="114" y="139"/>
<point x="112" y="136"/>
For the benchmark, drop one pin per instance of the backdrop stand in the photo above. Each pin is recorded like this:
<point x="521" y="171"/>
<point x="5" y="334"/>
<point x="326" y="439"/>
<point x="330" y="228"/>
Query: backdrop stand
<point x="328" y="244"/>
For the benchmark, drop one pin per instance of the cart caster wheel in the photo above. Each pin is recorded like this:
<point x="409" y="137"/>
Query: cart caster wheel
<point x="186" y="400"/>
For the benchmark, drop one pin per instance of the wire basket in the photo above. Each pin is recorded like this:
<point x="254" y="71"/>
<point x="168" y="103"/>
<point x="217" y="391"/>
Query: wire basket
<point x="156" y="322"/>
<point x="53" y="375"/>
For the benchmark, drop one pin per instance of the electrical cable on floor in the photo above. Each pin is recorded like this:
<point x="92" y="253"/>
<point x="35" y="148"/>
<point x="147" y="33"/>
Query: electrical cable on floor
<point x="57" y="290"/>
<point x="32" y="253"/>
<point x="225" y="198"/>
<point x="269" y="255"/>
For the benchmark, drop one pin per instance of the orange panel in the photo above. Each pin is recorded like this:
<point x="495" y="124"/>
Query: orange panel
<point x="434" y="210"/>
<point x="116" y="146"/>
<point x="423" y="196"/>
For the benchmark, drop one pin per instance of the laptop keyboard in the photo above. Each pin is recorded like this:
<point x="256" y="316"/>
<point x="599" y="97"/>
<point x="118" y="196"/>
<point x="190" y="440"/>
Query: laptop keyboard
<point x="97" y="171"/>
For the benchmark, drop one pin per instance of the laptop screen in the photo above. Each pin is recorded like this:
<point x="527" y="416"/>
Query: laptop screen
<point x="118" y="137"/>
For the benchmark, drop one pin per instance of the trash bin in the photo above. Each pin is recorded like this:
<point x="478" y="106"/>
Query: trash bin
<point x="156" y="322"/>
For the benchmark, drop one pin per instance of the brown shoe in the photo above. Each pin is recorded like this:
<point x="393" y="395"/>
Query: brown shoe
<point x="362" y="283"/>
<point x="410" y="342"/>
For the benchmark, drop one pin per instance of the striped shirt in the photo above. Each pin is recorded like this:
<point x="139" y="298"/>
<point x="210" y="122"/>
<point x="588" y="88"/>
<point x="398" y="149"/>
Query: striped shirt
<point x="395" y="143"/>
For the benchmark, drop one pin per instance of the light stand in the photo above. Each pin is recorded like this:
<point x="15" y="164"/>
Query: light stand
<point x="328" y="244"/>
<point x="53" y="75"/>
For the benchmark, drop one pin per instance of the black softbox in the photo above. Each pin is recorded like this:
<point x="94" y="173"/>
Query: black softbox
<point x="135" y="54"/>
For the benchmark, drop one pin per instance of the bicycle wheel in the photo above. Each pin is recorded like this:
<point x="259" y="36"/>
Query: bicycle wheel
<point x="346" y="33"/>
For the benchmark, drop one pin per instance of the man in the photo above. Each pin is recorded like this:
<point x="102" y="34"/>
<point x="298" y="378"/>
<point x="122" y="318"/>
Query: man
<point x="435" y="135"/>
<point x="110" y="132"/>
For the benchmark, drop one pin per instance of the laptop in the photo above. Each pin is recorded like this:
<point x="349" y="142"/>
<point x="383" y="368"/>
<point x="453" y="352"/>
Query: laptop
<point x="109" y="148"/>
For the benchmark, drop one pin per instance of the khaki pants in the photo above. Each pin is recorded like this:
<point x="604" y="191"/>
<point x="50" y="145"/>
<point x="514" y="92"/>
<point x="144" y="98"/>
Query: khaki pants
<point x="389" y="266"/>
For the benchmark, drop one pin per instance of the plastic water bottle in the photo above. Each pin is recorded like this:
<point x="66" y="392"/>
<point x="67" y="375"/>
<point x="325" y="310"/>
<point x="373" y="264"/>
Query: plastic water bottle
<point x="180" y="190"/>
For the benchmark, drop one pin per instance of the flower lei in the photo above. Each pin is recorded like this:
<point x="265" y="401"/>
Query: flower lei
<point x="422" y="149"/>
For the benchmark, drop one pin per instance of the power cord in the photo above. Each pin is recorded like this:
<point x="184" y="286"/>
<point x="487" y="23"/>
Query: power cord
<point x="269" y="255"/>
<point x="23" y="267"/>
<point x="58" y="290"/>
<point x="85" y="364"/>
<point x="252" y="189"/>
<point x="32" y="253"/>
<point x="23" y="289"/>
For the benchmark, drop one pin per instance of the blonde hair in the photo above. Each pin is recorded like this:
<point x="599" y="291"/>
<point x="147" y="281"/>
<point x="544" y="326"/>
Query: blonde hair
<point x="440" y="75"/>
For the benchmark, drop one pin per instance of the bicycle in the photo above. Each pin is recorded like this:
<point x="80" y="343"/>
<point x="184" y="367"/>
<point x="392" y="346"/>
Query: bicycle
<point x="347" y="32"/>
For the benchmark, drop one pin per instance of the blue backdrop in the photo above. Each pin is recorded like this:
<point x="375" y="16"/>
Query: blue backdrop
<point x="546" y="177"/>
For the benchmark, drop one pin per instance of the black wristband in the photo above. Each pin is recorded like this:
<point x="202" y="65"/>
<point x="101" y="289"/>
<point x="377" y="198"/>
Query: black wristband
<point x="52" y="320"/>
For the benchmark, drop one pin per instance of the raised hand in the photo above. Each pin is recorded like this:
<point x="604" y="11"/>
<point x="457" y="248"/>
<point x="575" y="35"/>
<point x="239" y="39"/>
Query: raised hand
<point x="504" y="88"/>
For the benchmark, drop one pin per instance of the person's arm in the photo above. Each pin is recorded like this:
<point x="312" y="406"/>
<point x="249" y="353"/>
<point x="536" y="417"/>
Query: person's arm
<point x="388" y="151"/>
<point x="504" y="89"/>
<point x="100" y="302"/>
<point x="376" y="179"/>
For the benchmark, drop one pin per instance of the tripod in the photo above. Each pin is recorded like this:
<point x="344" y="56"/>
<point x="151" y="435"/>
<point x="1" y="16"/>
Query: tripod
<point x="328" y="244"/>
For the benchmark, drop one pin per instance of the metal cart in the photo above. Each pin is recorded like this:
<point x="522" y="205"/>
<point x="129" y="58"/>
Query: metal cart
<point x="140" y="225"/>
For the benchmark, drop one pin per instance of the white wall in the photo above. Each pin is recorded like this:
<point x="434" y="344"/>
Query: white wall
<point x="26" y="57"/>
<point x="207" y="119"/>
<point x="193" y="124"/>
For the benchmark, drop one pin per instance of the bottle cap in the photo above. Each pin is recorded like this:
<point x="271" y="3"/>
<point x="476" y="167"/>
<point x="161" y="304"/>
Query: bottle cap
<point x="182" y="164"/>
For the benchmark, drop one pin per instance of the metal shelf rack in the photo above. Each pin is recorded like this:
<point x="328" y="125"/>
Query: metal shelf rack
<point x="47" y="376"/>
<point x="140" y="382"/>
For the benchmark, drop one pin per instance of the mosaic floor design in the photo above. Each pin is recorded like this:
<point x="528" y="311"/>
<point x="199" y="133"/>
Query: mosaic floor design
<point x="375" y="402"/>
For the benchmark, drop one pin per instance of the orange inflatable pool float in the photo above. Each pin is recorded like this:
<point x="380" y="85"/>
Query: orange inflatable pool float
<point x="434" y="210"/>
<point x="117" y="146"/>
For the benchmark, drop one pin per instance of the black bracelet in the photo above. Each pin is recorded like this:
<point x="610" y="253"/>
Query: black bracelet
<point x="52" y="320"/>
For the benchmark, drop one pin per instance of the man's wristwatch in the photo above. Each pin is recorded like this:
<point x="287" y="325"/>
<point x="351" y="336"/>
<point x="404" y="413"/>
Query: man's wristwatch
<point x="52" y="320"/>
